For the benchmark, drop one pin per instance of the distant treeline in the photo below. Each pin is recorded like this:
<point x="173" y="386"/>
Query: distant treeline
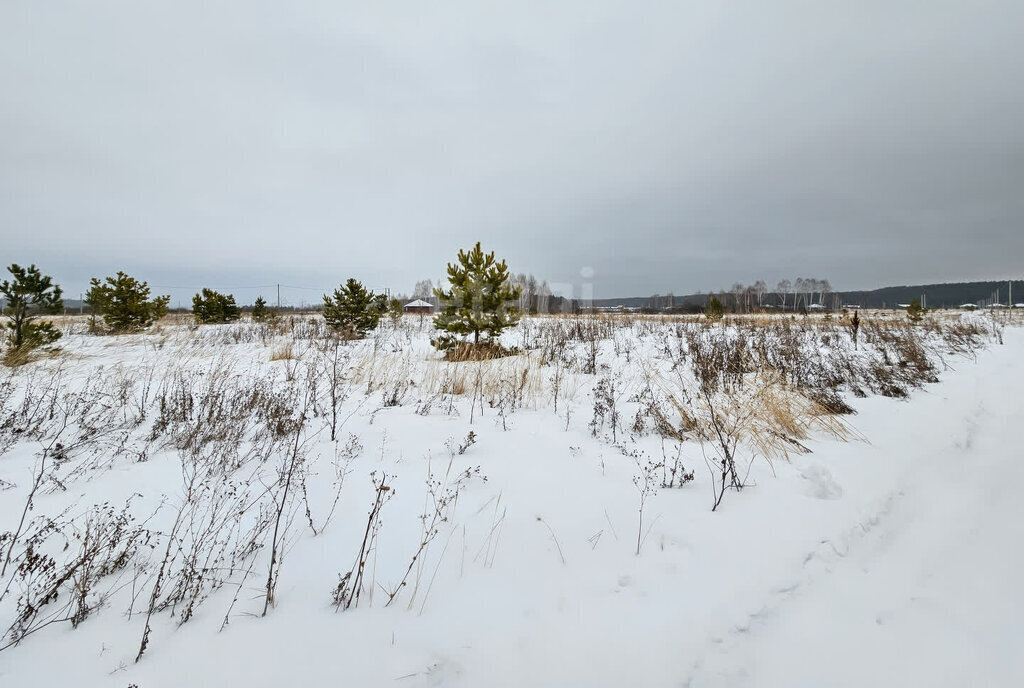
<point x="949" y="295"/>
<point x="547" y="303"/>
<point x="538" y="298"/>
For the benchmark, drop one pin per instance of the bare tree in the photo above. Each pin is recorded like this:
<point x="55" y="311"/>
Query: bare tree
<point x="737" y="296"/>
<point x="760" y="288"/>
<point x="824" y="288"/>
<point x="543" y="298"/>
<point x="783" y="288"/>
<point x="531" y="294"/>
<point x="424" y="290"/>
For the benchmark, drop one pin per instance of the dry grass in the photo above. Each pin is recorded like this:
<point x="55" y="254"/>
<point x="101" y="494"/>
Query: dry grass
<point x="284" y="352"/>
<point x="16" y="357"/>
<point x="767" y="415"/>
<point x="488" y="379"/>
<point x="484" y="351"/>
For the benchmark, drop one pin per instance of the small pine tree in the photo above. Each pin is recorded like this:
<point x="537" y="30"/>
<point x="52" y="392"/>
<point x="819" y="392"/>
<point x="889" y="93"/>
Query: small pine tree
<point x="381" y="301"/>
<point x="159" y="307"/>
<point x="478" y="299"/>
<point x="211" y="306"/>
<point x="353" y="310"/>
<point x="714" y="310"/>
<point x="124" y="303"/>
<point x="260" y="310"/>
<point x="29" y="295"/>
<point x="915" y="311"/>
<point x="395" y="310"/>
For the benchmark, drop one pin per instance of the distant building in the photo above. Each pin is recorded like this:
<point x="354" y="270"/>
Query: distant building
<point x="419" y="306"/>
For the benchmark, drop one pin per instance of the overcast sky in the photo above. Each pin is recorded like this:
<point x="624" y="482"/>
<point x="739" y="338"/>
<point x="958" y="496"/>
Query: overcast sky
<point x="667" y="146"/>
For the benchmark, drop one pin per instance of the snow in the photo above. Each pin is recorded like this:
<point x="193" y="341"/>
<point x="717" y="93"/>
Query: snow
<point x="892" y="559"/>
<point x="924" y="589"/>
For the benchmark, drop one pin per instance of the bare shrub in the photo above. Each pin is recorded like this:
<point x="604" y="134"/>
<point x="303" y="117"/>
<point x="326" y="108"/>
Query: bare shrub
<point x="442" y="496"/>
<point x="607" y="393"/>
<point x="331" y="364"/>
<point x="350" y="586"/>
<point x="67" y="569"/>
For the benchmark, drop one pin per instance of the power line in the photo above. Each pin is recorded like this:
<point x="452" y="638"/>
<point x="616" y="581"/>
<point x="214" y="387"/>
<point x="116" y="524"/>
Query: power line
<point x="277" y="287"/>
<point x="207" y="286"/>
<point x="291" y="286"/>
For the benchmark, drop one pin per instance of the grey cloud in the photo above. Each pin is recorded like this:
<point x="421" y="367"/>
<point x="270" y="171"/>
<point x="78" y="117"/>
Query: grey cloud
<point x="669" y="146"/>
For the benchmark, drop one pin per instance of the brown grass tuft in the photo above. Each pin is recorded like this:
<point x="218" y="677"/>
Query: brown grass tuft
<point x="15" y="357"/>
<point x="484" y="351"/>
<point x="285" y="352"/>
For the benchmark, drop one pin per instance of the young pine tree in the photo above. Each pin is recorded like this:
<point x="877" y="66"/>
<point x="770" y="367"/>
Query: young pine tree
<point x="478" y="298"/>
<point x="210" y="306"/>
<point x="124" y="303"/>
<point x="260" y="310"/>
<point x="714" y="310"/>
<point x="395" y="310"/>
<point x="353" y="310"/>
<point x="915" y="311"/>
<point x="159" y="307"/>
<point x="29" y="295"/>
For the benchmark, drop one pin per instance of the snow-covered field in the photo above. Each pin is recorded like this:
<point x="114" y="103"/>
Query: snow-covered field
<point x="519" y="520"/>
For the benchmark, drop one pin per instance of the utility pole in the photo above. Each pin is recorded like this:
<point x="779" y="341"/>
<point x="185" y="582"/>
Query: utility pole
<point x="81" y="305"/>
<point x="279" y="296"/>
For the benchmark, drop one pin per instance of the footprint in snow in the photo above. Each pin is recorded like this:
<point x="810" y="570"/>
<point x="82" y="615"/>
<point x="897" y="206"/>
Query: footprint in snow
<point x="821" y="484"/>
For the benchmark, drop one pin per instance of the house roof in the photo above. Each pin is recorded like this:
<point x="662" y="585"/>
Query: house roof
<point x="419" y="303"/>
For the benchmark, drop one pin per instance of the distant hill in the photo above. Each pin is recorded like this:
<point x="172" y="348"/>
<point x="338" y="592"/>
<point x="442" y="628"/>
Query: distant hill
<point x="949" y="295"/>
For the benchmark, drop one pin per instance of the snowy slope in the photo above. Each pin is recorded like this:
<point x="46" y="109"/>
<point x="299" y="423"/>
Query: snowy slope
<point x="925" y="589"/>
